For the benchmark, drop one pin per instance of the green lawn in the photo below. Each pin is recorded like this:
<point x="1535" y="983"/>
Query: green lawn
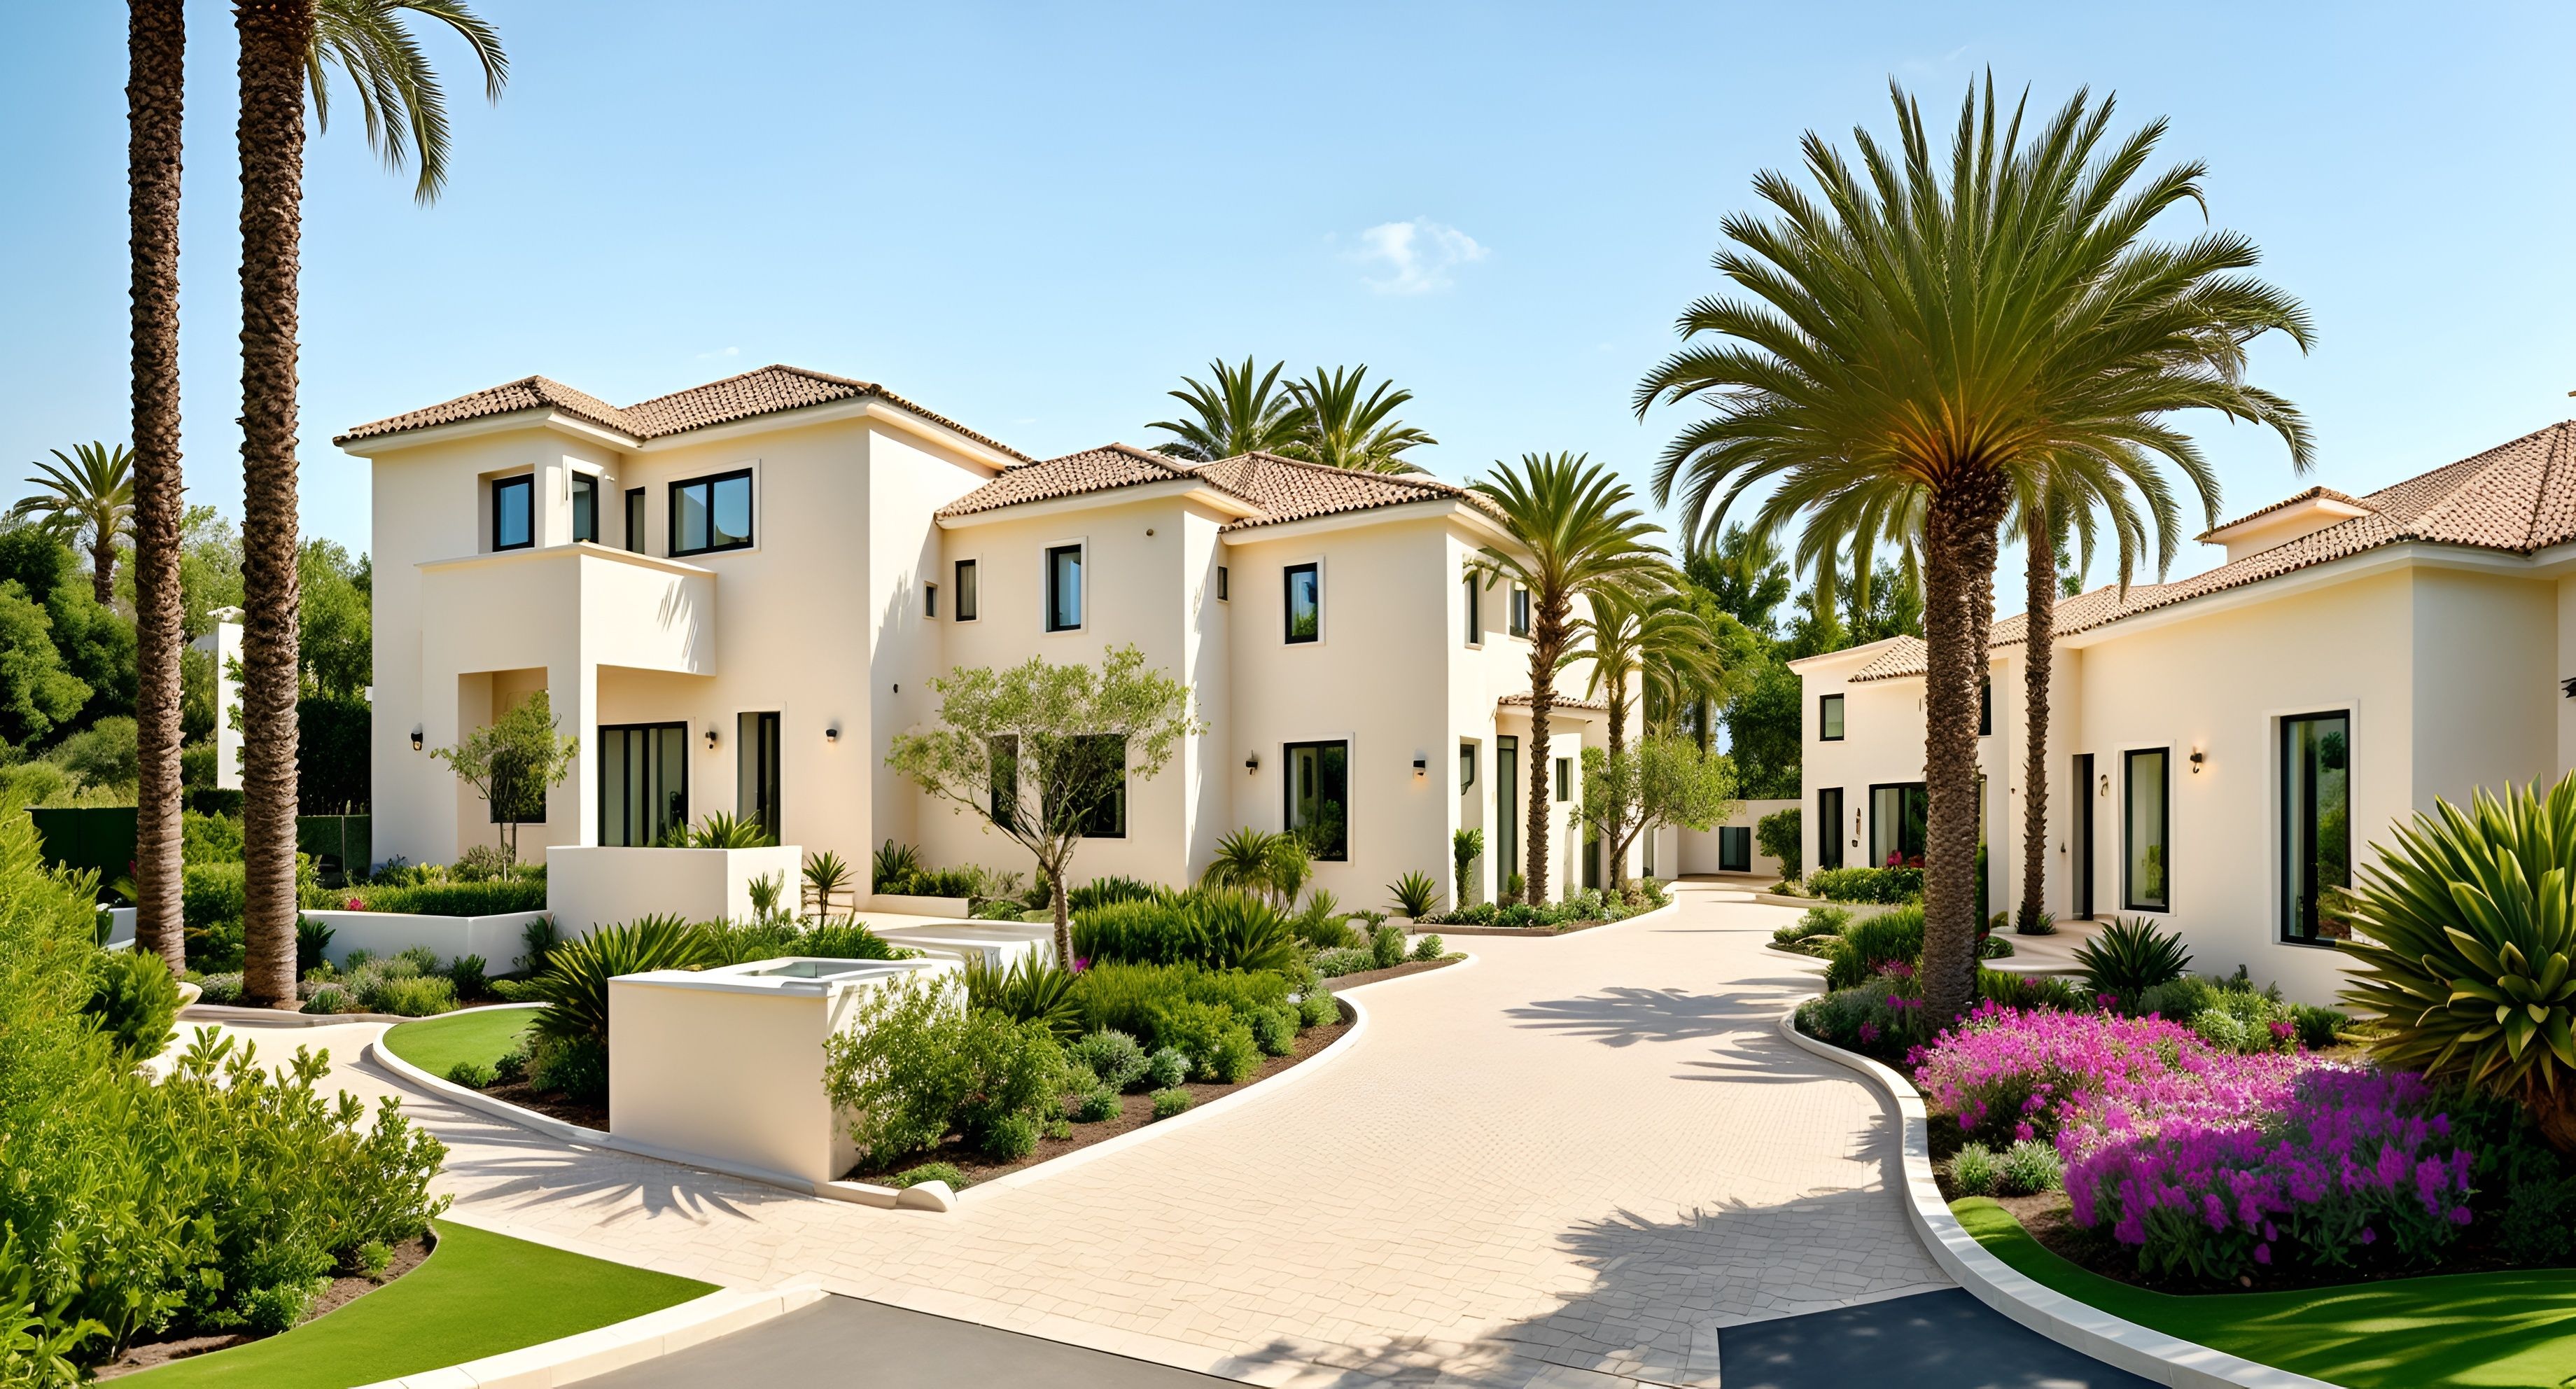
<point x="435" y="1044"/>
<point x="2484" y="1329"/>
<point x="479" y="1294"/>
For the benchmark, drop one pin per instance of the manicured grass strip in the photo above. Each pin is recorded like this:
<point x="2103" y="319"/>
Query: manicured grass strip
<point x="2458" y="1329"/>
<point x="435" y="1044"/>
<point x="479" y="1294"/>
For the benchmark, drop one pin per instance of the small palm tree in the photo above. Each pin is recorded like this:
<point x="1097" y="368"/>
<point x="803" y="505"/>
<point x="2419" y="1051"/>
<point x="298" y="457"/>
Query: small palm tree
<point x="1956" y="325"/>
<point x="1574" y="534"/>
<point x="88" y="500"/>
<point x="1639" y="639"/>
<point x="1348" y="430"/>
<point x="1235" y="413"/>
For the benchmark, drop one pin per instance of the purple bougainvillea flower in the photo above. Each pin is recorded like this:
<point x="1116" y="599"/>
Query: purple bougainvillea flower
<point x="2262" y="1253"/>
<point x="2023" y="1132"/>
<point x="2459" y="1215"/>
<point x="1869" y="1032"/>
<point x="2369" y="1235"/>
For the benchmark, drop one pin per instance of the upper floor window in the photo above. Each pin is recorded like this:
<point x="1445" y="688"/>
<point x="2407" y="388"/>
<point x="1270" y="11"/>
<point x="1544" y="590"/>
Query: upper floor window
<point x="1220" y="583"/>
<point x="1986" y="707"/>
<point x="1829" y="718"/>
<point x="635" y="519"/>
<point x="1466" y="766"/>
<point x="930" y="600"/>
<point x="1475" y="611"/>
<point x="711" y="513"/>
<point x="514" y="513"/>
<point x="965" y="590"/>
<point x="1305" y="603"/>
<point x="1565" y="778"/>
<point x="1520" y="612"/>
<point x="1064" y="588"/>
<point x="585" y="507"/>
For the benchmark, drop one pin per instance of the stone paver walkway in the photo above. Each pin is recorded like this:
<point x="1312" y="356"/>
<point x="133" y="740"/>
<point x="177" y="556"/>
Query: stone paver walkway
<point x="1575" y="1161"/>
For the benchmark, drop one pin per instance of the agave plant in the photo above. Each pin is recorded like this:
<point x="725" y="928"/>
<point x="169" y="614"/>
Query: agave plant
<point x="827" y="875"/>
<point x="1415" y="894"/>
<point x="893" y="864"/>
<point x="574" y="986"/>
<point x="2464" y="937"/>
<point x="724" y="830"/>
<point x="1027" y="991"/>
<point x="1246" y="933"/>
<point x="2131" y="956"/>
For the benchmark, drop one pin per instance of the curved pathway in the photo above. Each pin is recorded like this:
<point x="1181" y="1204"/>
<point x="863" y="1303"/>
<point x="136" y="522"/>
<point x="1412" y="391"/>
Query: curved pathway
<point x="1574" y="1159"/>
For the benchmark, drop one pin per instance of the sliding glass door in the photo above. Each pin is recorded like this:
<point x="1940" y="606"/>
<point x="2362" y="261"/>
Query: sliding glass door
<point x="643" y="783"/>
<point x="1899" y="815"/>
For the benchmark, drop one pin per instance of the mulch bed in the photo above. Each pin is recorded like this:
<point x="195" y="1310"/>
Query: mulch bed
<point x="1567" y="929"/>
<point x="1371" y="976"/>
<point x="1135" y="1111"/>
<point x="590" y="1114"/>
<point x="144" y="1355"/>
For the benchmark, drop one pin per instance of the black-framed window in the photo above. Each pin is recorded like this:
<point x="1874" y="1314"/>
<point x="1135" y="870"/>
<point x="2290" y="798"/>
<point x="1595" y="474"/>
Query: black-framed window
<point x="1507" y="808"/>
<point x="1986" y="707"/>
<point x="930" y="600"/>
<point x="514" y="512"/>
<point x="2316" y="826"/>
<point x="2146" y="815"/>
<point x="1475" y="611"/>
<point x="1900" y="818"/>
<point x="643" y="783"/>
<point x="1829" y="718"/>
<point x="1305" y="611"/>
<point x="585" y="507"/>
<point x="1221" y="595"/>
<point x="1466" y="766"/>
<point x="755" y="777"/>
<point x="711" y="514"/>
<point x="966" y="578"/>
<point x="1735" y="848"/>
<point x="1064" y="588"/>
<point x="1565" y="778"/>
<point x="1829" y="827"/>
<point x="1520" y="611"/>
<point x="1319" y="789"/>
<point x="1004" y="769"/>
<point x="1098" y="780"/>
<point x="635" y="519"/>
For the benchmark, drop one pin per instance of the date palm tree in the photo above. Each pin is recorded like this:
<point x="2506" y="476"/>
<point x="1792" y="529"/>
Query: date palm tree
<point x="155" y="101"/>
<point x="1651" y="641"/>
<point x="1955" y="325"/>
<point x="1235" y="412"/>
<point x="288" y="48"/>
<point x="1347" y="430"/>
<point x="88" y="500"/>
<point x="1575" y="535"/>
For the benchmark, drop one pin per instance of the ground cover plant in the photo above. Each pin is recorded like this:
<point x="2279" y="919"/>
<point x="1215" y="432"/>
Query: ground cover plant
<point x="1588" y="907"/>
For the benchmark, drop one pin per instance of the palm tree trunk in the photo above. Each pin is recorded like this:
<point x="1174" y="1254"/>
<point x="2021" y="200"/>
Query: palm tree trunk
<point x="1546" y="645"/>
<point x="1959" y="567"/>
<point x="1610" y="833"/>
<point x="156" y="48"/>
<point x="2040" y="578"/>
<point x="102" y="568"/>
<point x="275" y="35"/>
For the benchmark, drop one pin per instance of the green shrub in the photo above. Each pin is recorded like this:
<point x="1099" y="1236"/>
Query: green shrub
<point x="1317" y="1008"/>
<point x="537" y="941"/>
<point x="2176" y="1000"/>
<point x="1415" y="894"/>
<point x="472" y="1074"/>
<point x="576" y="1066"/>
<point x="495" y="897"/>
<point x="931" y="1172"/>
<point x="1878" y="885"/>
<point x="1386" y="946"/>
<point x="1094" y="1106"/>
<point x="2539" y="1226"/>
<point x="1114" y="1060"/>
<point x="1118" y="996"/>
<point x="847" y="939"/>
<point x="1245" y="992"/>
<point x="1167" y="1067"/>
<point x="419" y="996"/>
<point x="1816" y="921"/>
<point x="2130" y="957"/>
<point x="1320" y="923"/>
<point x="1101" y="892"/>
<point x="999" y="909"/>
<point x="2029" y="1167"/>
<point x="467" y="972"/>
<point x="1219" y="1045"/>
<point x="326" y="999"/>
<point x="1778" y="835"/>
<point x="1333" y="964"/>
<point x="1244" y="932"/>
<point x="2032" y="991"/>
<point x="1872" y="943"/>
<point x="574" y="986"/>
<point x="133" y="999"/>
<point x="1008" y="1138"/>
<point x="510" y="1067"/>
<point x="312" y="939"/>
<point x="892" y="866"/>
<point x="2317" y="1026"/>
<point x="1974" y="1170"/>
<point x="223" y="989"/>
<point x="1274" y="1030"/>
<point x="209" y="838"/>
<point x="2045" y="924"/>
<point x="723" y="829"/>
<point x="1171" y="1101"/>
<point x="1429" y="948"/>
<point x="1141" y="931"/>
<point x="1029" y="990"/>
<point x="917" y="1065"/>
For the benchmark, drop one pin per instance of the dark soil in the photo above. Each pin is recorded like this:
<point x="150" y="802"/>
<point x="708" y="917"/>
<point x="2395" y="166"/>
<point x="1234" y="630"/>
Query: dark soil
<point x="1371" y="976"/>
<point x="1135" y="1111"/>
<point x="144" y="1355"/>
<point x="554" y="1104"/>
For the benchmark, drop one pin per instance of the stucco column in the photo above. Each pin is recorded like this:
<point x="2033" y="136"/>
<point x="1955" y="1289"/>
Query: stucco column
<point x="572" y="690"/>
<point x="438" y="793"/>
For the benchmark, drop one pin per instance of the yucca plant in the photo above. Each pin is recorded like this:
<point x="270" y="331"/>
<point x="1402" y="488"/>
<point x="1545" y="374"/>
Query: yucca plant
<point x="724" y="830"/>
<point x="1243" y="861"/>
<point x="2464" y="935"/>
<point x="2129" y="957"/>
<point x="1027" y="991"/>
<point x="1245" y="933"/>
<point x="1415" y="894"/>
<point x="893" y="866"/>
<point x="827" y="875"/>
<point x="574" y="986"/>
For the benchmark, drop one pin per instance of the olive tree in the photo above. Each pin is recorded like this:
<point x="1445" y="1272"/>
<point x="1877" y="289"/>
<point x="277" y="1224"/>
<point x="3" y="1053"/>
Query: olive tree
<point x="511" y="763"/>
<point x="1663" y="780"/>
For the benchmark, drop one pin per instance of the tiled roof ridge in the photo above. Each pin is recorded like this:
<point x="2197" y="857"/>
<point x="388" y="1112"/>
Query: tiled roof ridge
<point x="2479" y="473"/>
<point x="1421" y="480"/>
<point x="2319" y="493"/>
<point x="2540" y="495"/>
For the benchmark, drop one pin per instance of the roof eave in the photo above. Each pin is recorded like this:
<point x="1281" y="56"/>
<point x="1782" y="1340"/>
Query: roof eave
<point x="534" y="417"/>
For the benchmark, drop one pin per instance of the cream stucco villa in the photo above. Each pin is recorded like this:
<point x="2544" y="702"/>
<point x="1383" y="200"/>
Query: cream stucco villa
<point x="738" y="593"/>
<point x="2224" y="747"/>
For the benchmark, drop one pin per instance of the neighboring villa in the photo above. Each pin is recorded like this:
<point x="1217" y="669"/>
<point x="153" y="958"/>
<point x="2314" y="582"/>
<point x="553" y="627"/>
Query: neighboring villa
<point x="737" y="594"/>
<point x="2222" y="747"/>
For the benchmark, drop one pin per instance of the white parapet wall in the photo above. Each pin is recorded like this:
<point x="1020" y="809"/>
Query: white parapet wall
<point x="590" y="886"/>
<point x="727" y="1064"/>
<point x="499" y="939"/>
<point x="999" y="943"/>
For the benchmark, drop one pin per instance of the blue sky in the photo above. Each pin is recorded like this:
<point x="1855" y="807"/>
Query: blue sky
<point x="1036" y="218"/>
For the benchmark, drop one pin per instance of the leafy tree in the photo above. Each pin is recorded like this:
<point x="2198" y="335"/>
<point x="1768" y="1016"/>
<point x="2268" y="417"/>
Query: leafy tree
<point x="1036" y="751"/>
<point x="1649" y="640"/>
<point x="337" y="642"/>
<point x="334" y="771"/>
<point x="1778" y="834"/>
<point x="1662" y="781"/>
<point x="511" y="763"/>
<point x="1233" y="414"/>
<point x="1878" y="350"/>
<point x="1346" y="430"/>
<point x="86" y="496"/>
<point x="1742" y="570"/>
<point x="1764" y="733"/>
<point x="97" y="645"/>
<point x="37" y="692"/>
<point x="32" y="558"/>
<point x="103" y="754"/>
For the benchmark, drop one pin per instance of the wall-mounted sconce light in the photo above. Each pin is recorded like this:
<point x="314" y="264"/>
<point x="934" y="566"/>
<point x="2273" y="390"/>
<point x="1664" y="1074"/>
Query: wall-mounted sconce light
<point x="2106" y="784"/>
<point x="711" y="740"/>
<point x="1149" y="531"/>
<point x="1252" y="762"/>
<point x="415" y="737"/>
<point x="898" y="687"/>
<point x="832" y="733"/>
<point x="2197" y="757"/>
<point x="1421" y="768"/>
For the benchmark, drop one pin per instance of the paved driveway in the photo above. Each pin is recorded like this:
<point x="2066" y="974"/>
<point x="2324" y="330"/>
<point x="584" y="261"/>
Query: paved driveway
<point x="1575" y="1160"/>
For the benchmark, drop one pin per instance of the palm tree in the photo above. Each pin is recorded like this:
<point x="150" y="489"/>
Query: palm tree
<point x="1955" y="326"/>
<point x="288" y="48"/>
<point x="1650" y="638"/>
<point x="88" y="500"/>
<point x="1347" y="430"/>
<point x="1575" y="535"/>
<point x="155" y="92"/>
<point x="1233" y="414"/>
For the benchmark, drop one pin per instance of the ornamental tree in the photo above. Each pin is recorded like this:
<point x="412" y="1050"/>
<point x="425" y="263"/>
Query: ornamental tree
<point x="511" y="763"/>
<point x="1663" y="780"/>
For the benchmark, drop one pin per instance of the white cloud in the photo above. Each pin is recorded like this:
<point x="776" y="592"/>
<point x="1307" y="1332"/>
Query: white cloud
<point x="720" y="355"/>
<point x="1418" y="255"/>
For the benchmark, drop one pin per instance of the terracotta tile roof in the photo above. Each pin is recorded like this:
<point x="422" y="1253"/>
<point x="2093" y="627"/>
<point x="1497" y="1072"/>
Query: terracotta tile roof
<point x="2518" y="497"/>
<point x="2312" y="494"/>
<point x="769" y="390"/>
<point x="1103" y="469"/>
<point x="1561" y="701"/>
<point x="1282" y="489"/>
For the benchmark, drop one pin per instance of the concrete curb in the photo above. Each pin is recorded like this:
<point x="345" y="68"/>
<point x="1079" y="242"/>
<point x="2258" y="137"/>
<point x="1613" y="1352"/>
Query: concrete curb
<point x="630" y="1342"/>
<point x="2112" y="1340"/>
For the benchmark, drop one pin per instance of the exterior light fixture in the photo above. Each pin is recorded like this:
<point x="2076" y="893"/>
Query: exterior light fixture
<point x="2197" y="757"/>
<point x="1252" y="762"/>
<point x="2106" y="784"/>
<point x="711" y="740"/>
<point x="415" y="737"/>
<point x="832" y="733"/>
<point x="1421" y="768"/>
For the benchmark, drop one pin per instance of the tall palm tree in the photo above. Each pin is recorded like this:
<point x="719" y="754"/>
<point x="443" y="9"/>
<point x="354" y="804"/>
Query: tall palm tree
<point x="1955" y="325"/>
<point x="287" y="49"/>
<point x="1348" y="430"/>
<point x="1576" y="535"/>
<point x="1648" y="639"/>
<point x="155" y="91"/>
<point x="88" y="500"/>
<point x="1235" y="413"/>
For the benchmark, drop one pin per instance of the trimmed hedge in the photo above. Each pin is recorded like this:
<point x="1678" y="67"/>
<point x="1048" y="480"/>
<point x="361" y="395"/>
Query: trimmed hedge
<point x="1883" y="885"/>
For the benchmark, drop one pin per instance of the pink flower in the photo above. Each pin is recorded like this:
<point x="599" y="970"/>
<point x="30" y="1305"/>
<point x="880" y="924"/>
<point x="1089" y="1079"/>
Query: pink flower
<point x="1081" y="963"/>
<point x="1897" y="969"/>
<point x="2281" y="1031"/>
<point x="2459" y="1215"/>
<point x="1869" y="1032"/>
<point x="2369" y="1235"/>
<point x="2023" y="1132"/>
<point x="2262" y="1253"/>
<point x="356" y="906"/>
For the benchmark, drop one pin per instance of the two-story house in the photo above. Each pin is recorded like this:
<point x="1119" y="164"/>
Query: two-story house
<point x="736" y="595"/>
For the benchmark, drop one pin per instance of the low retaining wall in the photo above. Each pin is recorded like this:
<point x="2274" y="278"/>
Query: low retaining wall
<point x="589" y="886"/>
<point x="498" y="939"/>
<point x="903" y="904"/>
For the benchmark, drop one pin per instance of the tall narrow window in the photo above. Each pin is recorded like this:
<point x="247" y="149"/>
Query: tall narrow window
<point x="1005" y="771"/>
<point x="1829" y="828"/>
<point x="1565" y="778"/>
<point x="966" y="590"/>
<point x="1220" y="583"/>
<point x="643" y="783"/>
<point x="514" y="513"/>
<point x="2147" y="882"/>
<point x="930" y="600"/>
<point x="585" y="507"/>
<point x="1507" y="809"/>
<point x="1466" y="766"/>
<point x="635" y="519"/>
<point x="2316" y="825"/>
<point x="1064" y="588"/>
<point x="711" y="513"/>
<point x="1475" y="611"/>
<point x="1829" y="718"/>
<point x="1095" y="782"/>
<point x="755" y="777"/>
<point x="1520" y="611"/>
<point x="1319" y="780"/>
<point x="1305" y="604"/>
<point x="1986" y="708"/>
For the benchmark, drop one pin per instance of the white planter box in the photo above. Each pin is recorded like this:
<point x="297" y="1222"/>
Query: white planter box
<point x="999" y="943"/>
<point x="498" y="939"/>
<point x="903" y="905"/>
<point x="588" y="886"/>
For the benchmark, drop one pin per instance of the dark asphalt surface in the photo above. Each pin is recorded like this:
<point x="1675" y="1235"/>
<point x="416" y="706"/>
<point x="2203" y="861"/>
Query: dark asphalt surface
<point x="1943" y="1340"/>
